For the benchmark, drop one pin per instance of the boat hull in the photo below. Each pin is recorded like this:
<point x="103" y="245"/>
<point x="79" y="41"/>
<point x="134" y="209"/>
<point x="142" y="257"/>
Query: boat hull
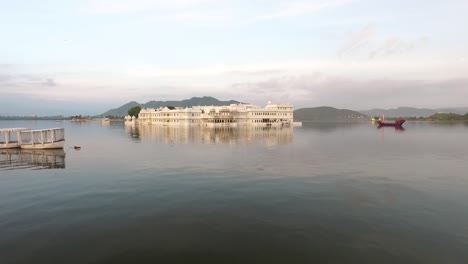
<point x="10" y="145"/>
<point x="10" y="137"/>
<point x="51" y="145"/>
<point x="398" y="122"/>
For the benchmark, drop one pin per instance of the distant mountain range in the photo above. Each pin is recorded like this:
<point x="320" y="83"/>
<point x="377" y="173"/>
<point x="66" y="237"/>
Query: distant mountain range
<point x="413" y="112"/>
<point x="326" y="113"/>
<point x="194" y="101"/>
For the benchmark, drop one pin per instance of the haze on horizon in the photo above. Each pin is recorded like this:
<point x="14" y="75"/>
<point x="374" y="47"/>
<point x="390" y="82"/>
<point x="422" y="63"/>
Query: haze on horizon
<point x="69" y="57"/>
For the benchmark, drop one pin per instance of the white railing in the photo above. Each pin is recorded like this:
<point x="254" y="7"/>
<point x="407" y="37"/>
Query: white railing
<point x="42" y="136"/>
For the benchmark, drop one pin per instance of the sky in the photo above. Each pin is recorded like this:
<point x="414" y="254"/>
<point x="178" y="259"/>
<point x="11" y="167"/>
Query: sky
<point x="85" y="57"/>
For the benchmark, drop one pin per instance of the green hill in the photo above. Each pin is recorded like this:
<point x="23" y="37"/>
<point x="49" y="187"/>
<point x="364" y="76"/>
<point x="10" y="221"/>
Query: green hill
<point x="326" y="113"/>
<point x="122" y="110"/>
<point x="415" y="112"/>
<point x="194" y="101"/>
<point x="448" y="116"/>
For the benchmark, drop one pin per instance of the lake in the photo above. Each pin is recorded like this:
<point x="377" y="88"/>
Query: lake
<point x="321" y="193"/>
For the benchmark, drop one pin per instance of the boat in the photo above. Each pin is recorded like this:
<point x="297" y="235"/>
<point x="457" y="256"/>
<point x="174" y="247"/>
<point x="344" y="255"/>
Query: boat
<point x="396" y="123"/>
<point x="10" y="137"/>
<point x="50" y="138"/>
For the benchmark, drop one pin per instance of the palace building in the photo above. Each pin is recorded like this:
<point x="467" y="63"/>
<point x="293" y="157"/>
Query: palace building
<point x="234" y="115"/>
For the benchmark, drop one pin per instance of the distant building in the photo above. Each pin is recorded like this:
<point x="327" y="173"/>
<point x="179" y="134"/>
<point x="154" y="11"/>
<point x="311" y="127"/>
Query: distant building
<point x="234" y="115"/>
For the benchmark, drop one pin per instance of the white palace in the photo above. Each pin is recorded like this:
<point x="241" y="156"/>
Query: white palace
<point x="234" y="115"/>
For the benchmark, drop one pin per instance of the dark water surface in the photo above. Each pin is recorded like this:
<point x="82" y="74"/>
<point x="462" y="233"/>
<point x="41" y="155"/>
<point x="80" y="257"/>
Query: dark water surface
<point x="323" y="193"/>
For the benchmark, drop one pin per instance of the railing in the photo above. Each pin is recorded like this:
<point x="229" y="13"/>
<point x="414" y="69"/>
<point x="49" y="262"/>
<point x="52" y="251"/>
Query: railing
<point x="42" y="136"/>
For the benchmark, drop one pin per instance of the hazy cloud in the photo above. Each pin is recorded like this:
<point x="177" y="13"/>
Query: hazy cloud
<point x="358" y="40"/>
<point x="49" y="82"/>
<point x="319" y="89"/>
<point x="133" y="6"/>
<point x="210" y="12"/>
<point x="299" y="8"/>
<point x="368" y="43"/>
<point x="22" y="80"/>
<point x="395" y="45"/>
<point x="255" y="72"/>
<point x="282" y="84"/>
<point x="5" y="78"/>
<point x="299" y="51"/>
<point x="43" y="87"/>
<point x="344" y="84"/>
<point x="5" y="65"/>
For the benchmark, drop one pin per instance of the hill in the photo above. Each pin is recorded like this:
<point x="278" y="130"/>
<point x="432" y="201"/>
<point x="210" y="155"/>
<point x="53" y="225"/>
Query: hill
<point x="411" y="111"/>
<point x="122" y="110"/>
<point x="448" y="117"/>
<point x="194" y="101"/>
<point x="326" y="113"/>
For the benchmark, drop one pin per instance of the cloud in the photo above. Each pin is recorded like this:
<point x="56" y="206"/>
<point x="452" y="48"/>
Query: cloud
<point x="319" y="89"/>
<point x="135" y="6"/>
<point x="282" y="84"/>
<point x="213" y="70"/>
<point x="358" y="40"/>
<point x="368" y="44"/>
<point x="5" y="65"/>
<point x="23" y="80"/>
<point x="31" y="85"/>
<point x="395" y="45"/>
<point x="346" y="84"/>
<point x="191" y="13"/>
<point x="397" y="68"/>
<point x="4" y="78"/>
<point x="210" y="12"/>
<point x="259" y="72"/>
<point x="299" y="8"/>
<point x="49" y="82"/>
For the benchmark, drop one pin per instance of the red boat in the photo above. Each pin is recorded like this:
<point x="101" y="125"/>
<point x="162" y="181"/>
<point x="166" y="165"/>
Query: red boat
<point x="398" y="122"/>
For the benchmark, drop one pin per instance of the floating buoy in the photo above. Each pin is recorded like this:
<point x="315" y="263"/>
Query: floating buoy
<point x="77" y="147"/>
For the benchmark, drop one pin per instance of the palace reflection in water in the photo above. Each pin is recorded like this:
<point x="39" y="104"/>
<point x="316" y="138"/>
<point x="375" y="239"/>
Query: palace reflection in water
<point x="11" y="159"/>
<point x="203" y="135"/>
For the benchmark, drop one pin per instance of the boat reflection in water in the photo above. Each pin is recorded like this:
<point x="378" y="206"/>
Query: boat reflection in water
<point x="396" y="128"/>
<point x="11" y="159"/>
<point x="204" y="135"/>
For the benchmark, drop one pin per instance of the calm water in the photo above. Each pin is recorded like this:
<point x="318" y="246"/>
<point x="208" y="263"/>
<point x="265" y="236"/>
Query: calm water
<point x="323" y="193"/>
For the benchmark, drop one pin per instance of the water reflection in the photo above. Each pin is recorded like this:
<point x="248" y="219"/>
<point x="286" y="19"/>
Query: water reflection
<point x="133" y="132"/>
<point x="203" y="135"/>
<point x="330" y="126"/>
<point x="396" y="128"/>
<point x="113" y="124"/>
<point x="12" y="159"/>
